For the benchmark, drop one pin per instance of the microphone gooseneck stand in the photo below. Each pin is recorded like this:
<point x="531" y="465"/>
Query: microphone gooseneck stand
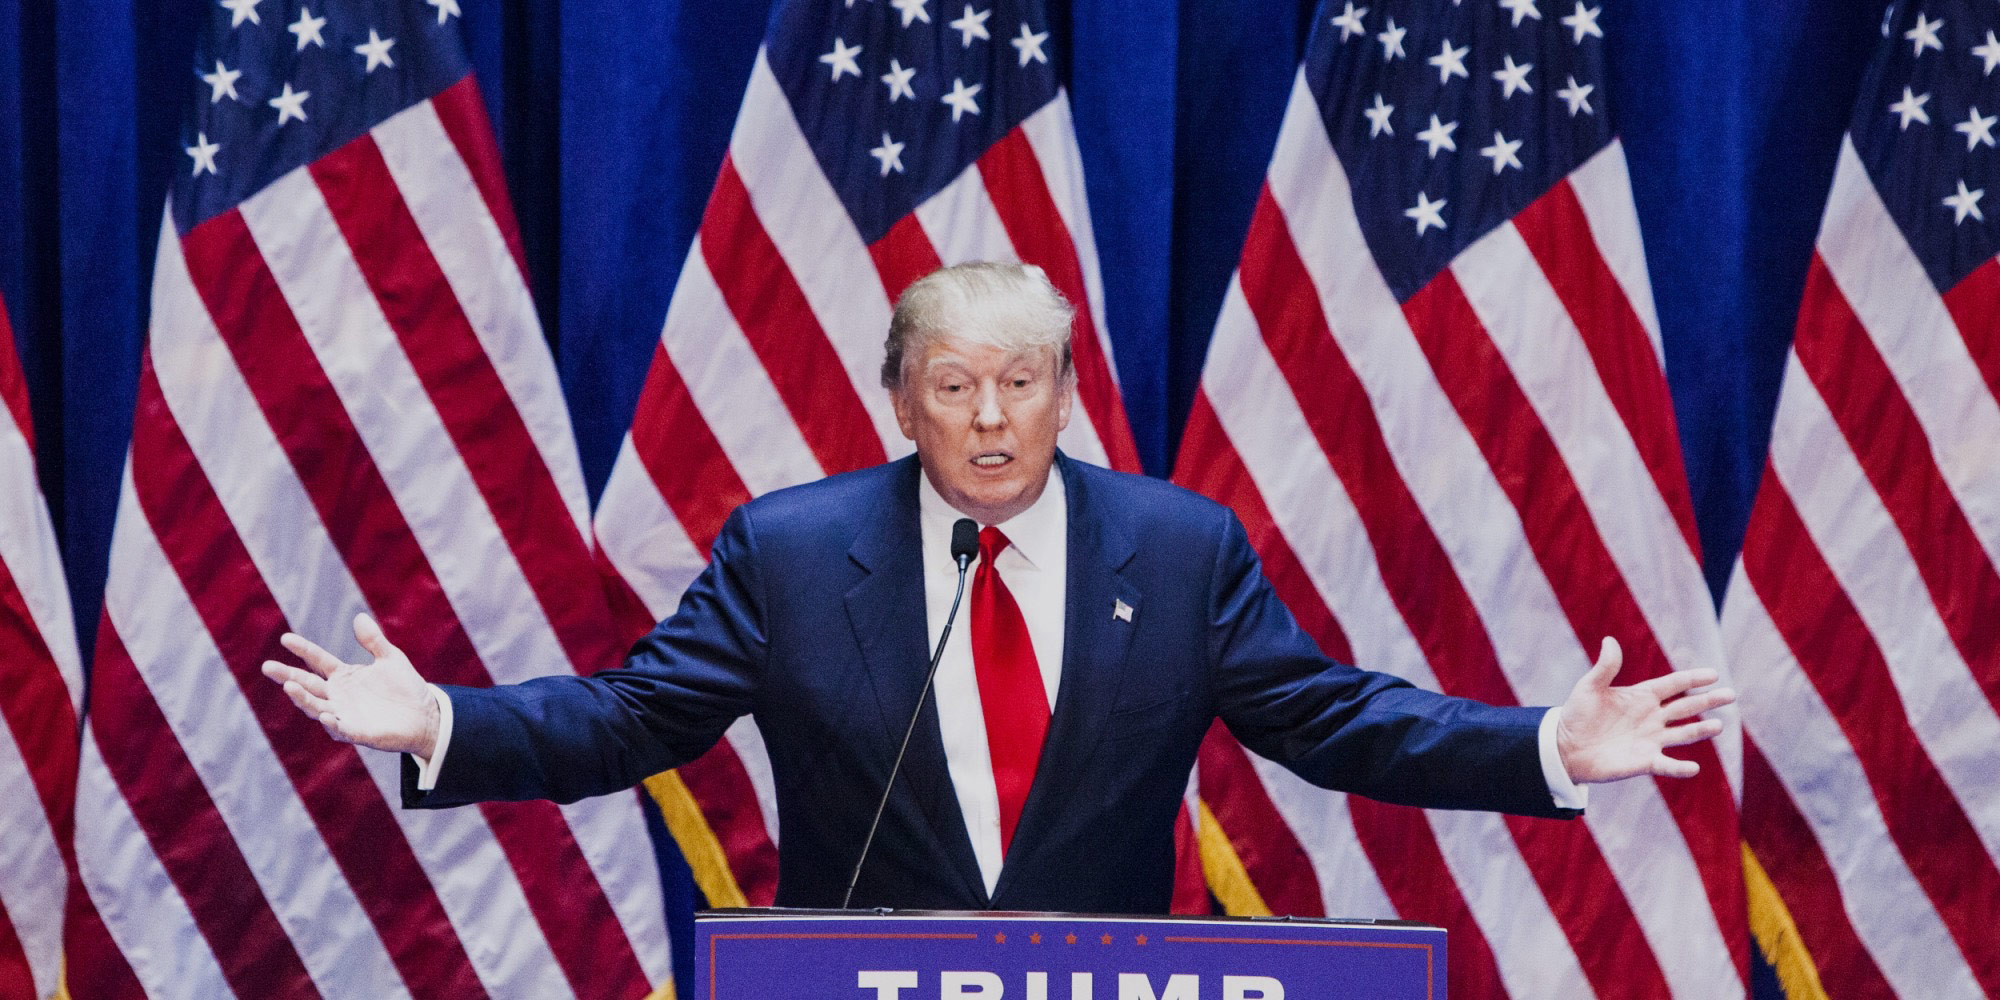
<point x="964" y="545"/>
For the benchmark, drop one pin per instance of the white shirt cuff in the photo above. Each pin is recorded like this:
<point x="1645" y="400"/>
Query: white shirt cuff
<point x="427" y="770"/>
<point x="1566" y="793"/>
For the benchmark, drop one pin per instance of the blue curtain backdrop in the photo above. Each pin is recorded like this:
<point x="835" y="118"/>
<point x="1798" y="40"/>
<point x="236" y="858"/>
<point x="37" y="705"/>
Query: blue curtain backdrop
<point x="613" y="117"/>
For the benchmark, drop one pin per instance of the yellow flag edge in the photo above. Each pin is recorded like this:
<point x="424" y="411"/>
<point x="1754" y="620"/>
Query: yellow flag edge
<point x="1771" y="924"/>
<point x="1223" y="868"/>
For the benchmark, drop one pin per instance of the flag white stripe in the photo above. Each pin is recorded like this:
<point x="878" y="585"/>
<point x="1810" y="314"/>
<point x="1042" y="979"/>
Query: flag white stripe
<point x="1313" y="510"/>
<point x="1812" y="758"/>
<point x="730" y="387"/>
<point x="467" y="244"/>
<point x="31" y="866"/>
<point x="1052" y="134"/>
<point x="447" y="514"/>
<point x="142" y="909"/>
<point x="1862" y="545"/>
<point x="274" y="518"/>
<point x="1604" y="190"/>
<point x="229" y="751"/>
<point x="611" y="832"/>
<point x="641" y="537"/>
<point x="28" y="548"/>
<point x="962" y="223"/>
<point x="823" y="251"/>
<point x="1893" y="297"/>
<point x="748" y="741"/>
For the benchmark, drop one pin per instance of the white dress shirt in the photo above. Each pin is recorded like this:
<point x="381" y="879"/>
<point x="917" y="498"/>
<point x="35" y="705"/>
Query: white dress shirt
<point x="1035" y="568"/>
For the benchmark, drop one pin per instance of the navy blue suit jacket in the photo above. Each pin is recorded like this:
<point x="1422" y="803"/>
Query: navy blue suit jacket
<point x="811" y="616"/>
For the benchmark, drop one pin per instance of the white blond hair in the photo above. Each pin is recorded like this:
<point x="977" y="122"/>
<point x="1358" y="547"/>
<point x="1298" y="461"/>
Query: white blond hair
<point x="997" y="303"/>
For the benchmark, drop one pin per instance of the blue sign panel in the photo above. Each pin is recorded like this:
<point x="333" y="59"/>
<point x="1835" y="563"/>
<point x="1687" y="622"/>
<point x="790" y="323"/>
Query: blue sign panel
<point x="770" y="954"/>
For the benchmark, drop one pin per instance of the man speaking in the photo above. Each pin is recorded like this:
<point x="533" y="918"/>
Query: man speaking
<point x="1109" y="619"/>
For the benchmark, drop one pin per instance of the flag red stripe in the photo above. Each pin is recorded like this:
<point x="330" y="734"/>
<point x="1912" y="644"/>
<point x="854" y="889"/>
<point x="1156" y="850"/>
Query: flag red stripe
<point x="1558" y="236"/>
<point x="463" y="116"/>
<point x="1587" y="582"/>
<point x="783" y="330"/>
<point x="1564" y="859"/>
<point x="1275" y="860"/>
<point x="17" y="979"/>
<point x="1839" y="357"/>
<point x="245" y="622"/>
<point x="629" y="615"/>
<point x="366" y="526"/>
<point x="728" y="801"/>
<point x="94" y="967"/>
<point x="1403" y="850"/>
<point x="1974" y="304"/>
<point x="1020" y="194"/>
<point x="1791" y="856"/>
<point x="34" y="702"/>
<point x="682" y="457"/>
<point x="13" y="384"/>
<point x="1210" y="465"/>
<point x="1190" y="888"/>
<point x="1400" y="844"/>
<point x="478" y="414"/>
<point x="1842" y="660"/>
<point x="187" y="834"/>
<point x="903" y="255"/>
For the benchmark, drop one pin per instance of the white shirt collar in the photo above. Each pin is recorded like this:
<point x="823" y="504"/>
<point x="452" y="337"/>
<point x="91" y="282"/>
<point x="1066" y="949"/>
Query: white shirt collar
<point x="1033" y="533"/>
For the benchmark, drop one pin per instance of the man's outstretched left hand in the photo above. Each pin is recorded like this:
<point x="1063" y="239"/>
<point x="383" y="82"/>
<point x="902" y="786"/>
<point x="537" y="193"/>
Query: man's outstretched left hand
<point x="1606" y="733"/>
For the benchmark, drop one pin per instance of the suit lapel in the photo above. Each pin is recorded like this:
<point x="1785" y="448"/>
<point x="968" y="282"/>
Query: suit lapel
<point x="1095" y="643"/>
<point x="886" y="611"/>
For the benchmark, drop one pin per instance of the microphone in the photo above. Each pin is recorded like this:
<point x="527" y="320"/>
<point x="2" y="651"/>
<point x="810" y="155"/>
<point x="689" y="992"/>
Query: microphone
<point x="964" y="545"/>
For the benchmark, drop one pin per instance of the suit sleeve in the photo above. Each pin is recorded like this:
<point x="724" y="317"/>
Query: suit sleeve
<point x="566" y="738"/>
<point x="1355" y="730"/>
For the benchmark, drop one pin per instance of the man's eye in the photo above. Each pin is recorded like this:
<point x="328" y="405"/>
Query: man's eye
<point x="952" y="387"/>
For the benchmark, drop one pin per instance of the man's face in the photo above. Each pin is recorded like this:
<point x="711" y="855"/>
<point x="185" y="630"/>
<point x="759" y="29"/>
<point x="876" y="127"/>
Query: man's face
<point x="985" y="422"/>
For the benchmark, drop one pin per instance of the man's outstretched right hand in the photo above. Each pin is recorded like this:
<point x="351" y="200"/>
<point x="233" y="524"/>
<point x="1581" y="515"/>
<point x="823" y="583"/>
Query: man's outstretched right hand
<point x="384" y="704"/>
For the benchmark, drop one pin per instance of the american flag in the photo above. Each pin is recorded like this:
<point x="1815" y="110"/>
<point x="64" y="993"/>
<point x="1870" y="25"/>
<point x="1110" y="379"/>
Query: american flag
<point x="1436" y="397"/>
<point x="345" y="404"/>
<point x="1863" y="618"/>
<point x="41" y="685"/>
<point x="877" y="141"/>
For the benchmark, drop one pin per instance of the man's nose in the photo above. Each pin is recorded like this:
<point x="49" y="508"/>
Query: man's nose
<point x="990" y="416"/>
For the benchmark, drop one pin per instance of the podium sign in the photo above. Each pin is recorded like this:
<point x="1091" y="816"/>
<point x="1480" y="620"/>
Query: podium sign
<point x="863" y="955"/>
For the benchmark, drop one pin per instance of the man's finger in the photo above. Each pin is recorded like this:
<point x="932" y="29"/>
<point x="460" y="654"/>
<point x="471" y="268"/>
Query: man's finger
<point x="1669" y="686"/>
<point x="322" y="662"/>
<point x="312" y="682"/>
<point x="1610" y="659"/>
<point x="1669" y="767"/>
<point x="1695" y="704"/>
<point x="331" y="723"/>
<point x="1693" y="732"/>
<point x="371" y="638"/>
<point x="308" y="702"/>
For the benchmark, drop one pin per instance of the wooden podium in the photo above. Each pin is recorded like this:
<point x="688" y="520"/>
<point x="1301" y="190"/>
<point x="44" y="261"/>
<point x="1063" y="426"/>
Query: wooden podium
<point x="768" y="954"/>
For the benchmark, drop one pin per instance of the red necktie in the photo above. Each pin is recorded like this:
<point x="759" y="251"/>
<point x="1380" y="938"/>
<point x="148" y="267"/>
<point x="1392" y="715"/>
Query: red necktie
<point x="1010" y="685"/>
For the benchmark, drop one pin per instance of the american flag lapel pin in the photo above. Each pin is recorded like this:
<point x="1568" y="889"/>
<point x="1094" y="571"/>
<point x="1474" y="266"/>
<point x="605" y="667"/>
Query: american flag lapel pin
<point x="1121" y="610"/>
